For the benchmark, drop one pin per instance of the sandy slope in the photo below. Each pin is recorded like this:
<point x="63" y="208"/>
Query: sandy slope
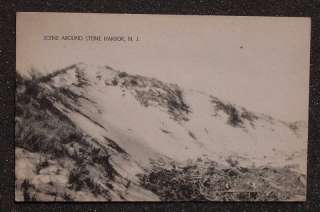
<point x="152" y="120"/>
<point x="151" y="131"/>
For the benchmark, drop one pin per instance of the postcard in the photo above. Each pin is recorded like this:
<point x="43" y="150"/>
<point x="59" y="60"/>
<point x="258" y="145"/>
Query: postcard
<point x="123" y="107"/>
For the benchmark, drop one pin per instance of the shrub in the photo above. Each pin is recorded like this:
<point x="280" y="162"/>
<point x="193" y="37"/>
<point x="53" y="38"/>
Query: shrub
<point x="133" y="82"/>
<point x="123" y="74"/>
<point x="234" y="118"/>
<point x="196" y="180"/>
<point x="76" y="177"/>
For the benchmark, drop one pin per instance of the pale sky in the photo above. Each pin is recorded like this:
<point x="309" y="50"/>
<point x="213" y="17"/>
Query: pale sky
<point x="261" y="63"/>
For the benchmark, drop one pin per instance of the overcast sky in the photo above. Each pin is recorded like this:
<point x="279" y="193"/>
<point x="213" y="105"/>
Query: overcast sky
<point x="261" y="63"/>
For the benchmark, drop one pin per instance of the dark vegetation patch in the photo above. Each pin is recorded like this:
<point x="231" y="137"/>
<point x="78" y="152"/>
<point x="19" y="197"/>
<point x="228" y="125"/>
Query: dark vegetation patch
<point x="42" y="128"/>
<point x="167" y="97"/>
<point x="152" y="92"/>
<point x="206" y="180"/>
<point x="176" y="104"/>
<point x="123" y="74"/>
<point x="133" y="82"/>
<point x="82" y="81"/>
<point x="80" y="179"/>
<point x="249" y="116"/>
<point x="236" y="117"/>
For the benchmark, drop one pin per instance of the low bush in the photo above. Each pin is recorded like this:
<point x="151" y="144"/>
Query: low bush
<point x="234" y="118"/>
<point x="209" y="181"/>
<point x="123" y="74"/>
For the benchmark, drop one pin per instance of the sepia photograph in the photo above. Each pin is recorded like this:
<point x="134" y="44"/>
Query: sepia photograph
<point x="132" y="107"/>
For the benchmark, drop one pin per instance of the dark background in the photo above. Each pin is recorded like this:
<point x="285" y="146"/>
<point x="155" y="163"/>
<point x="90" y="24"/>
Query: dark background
<point x="219" y="7"/>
